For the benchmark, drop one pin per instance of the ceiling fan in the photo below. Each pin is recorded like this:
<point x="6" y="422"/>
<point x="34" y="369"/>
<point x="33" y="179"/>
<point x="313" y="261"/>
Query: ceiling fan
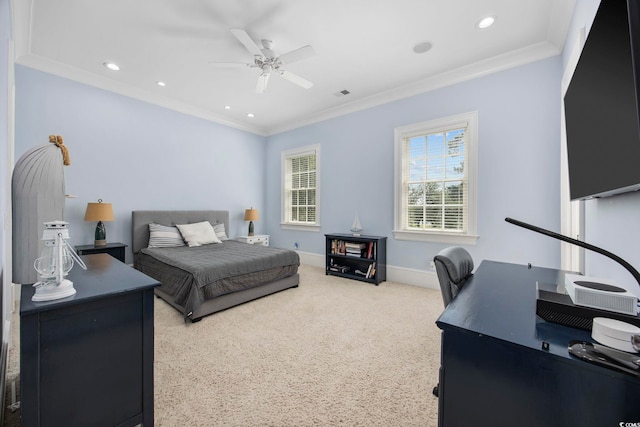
<point x="266" y="60"/>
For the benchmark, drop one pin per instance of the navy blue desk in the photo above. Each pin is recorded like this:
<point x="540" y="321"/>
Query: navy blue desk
<point x="87" y="359"/>
<point x="495" y="372"/>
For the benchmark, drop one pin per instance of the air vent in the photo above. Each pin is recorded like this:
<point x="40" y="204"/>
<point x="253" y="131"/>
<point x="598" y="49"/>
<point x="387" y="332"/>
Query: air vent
<point x="343" y="93"/>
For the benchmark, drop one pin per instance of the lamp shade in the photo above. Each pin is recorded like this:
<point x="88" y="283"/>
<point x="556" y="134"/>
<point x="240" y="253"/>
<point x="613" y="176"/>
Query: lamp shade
<point x="251" y="215"/>
<point x="99" y="212"/>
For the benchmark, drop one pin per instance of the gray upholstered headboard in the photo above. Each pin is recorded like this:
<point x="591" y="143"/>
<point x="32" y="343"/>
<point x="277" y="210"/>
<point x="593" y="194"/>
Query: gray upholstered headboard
<point x="140" y="221"/>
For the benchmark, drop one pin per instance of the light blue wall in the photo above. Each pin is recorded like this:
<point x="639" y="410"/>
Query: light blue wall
<point x="611" y="223"/>
<point x="136" y="155"/>
<point x="519" y="149"/>
<point x="139" y="156"/>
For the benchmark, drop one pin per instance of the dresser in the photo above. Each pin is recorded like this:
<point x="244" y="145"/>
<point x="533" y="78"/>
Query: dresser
<point x="87" y="360"/>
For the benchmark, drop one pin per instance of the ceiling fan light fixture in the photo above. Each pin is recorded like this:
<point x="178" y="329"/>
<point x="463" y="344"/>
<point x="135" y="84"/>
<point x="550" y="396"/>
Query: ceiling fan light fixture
<point x="486" y="22"/>
<point x="112" y="66"/>
<point x="266" y="60"/>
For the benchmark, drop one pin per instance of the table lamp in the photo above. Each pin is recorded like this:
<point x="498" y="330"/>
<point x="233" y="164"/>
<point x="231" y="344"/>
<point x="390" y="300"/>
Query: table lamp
<point x="251" y="215"/>
<point x="99" y="212"/>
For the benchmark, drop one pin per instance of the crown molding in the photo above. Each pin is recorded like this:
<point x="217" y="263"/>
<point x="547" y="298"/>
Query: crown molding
<point x="22" y="11"/>
<point x="498" y="63"/>
<point x="77" y="75"/>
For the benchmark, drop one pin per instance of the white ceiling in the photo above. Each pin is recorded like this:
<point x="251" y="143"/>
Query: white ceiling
<point x="364" y="46"/>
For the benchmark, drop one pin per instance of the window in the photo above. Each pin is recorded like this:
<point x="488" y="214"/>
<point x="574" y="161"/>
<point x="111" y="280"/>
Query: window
<point x="300" y="192"/>
<point x="435" y="180"/>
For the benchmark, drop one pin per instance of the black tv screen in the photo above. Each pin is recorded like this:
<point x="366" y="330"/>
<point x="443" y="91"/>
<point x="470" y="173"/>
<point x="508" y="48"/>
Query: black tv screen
<point x="601" y="106"/>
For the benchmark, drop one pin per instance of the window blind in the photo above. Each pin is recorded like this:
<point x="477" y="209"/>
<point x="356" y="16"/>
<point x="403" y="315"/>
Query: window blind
<point x="434" y="179"/>
<point x="300" y="188"/>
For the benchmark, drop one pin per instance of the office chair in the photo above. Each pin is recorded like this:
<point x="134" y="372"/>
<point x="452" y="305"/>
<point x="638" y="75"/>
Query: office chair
<point x="453" y="266"/>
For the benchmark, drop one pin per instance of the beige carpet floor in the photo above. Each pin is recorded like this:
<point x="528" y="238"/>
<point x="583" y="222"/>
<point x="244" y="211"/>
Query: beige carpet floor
<point x="332" y="352"/>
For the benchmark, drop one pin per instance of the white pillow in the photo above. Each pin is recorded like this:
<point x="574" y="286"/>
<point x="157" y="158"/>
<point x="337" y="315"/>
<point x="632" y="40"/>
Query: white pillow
<point x="198" y="234"/>
<point x="220" y="231"/>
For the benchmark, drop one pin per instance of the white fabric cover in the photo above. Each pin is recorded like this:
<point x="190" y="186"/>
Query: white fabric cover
<point x="198" y="234"/>
<point x="37" y="197"/>
<point x="220" y="232"/>
<point x="161" y="236"/>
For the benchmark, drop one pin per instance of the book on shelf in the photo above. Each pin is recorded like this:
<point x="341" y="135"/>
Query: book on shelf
<point x="347" y="248"/>
<point x="356" y="245"/>
<point x="352" y="249"/>
<point x="371" y="272"/>
<point x="370" y="250"/>
<point x="354" y="253"/>
<point x="338" y="268"/>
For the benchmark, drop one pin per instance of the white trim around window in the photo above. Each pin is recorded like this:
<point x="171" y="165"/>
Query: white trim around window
<point x="467" y="232"/>
<point x="310" y="187"/>
<point x="572" y="257"/>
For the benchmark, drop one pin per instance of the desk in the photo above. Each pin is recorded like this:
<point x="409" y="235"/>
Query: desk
<point x="87" y="360"/>
<point x="494" y="371"/>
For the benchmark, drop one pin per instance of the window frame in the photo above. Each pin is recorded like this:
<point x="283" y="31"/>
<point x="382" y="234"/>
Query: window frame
<point x="285" y="222"/>
<point x="400" y="232"/>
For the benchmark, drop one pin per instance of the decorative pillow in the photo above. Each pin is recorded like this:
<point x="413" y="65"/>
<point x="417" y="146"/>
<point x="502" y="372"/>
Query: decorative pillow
<point x="161" y="236"/>
<point x="198" y="234"/>
<point x="220" y="232"/>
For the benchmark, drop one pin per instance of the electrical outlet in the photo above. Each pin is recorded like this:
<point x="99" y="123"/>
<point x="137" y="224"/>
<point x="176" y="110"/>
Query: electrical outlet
<point x="432" y="266"/>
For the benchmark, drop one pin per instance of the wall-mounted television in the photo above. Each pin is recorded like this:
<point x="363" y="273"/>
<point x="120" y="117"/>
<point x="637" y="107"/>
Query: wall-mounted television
<point x="601" y="105"/>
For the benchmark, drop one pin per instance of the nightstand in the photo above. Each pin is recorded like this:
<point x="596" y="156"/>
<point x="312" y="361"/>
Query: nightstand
<point x="115" y="249"/>
<point x="258" y="239"/>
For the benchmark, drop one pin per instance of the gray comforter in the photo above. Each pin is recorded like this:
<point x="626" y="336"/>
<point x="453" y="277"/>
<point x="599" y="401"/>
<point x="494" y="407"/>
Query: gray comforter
<point x="193" y="275"/>
<point x="217" y="261"/>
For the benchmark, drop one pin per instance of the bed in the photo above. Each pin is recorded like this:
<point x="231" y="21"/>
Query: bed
<point x="205" y="279"/>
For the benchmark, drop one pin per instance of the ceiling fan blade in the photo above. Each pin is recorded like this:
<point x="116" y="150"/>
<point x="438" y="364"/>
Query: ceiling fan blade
<point x="244" y="38"/>
<point x="294" y="78"/>
<point x="297" y="55"/>
<point x="229" y="64"/>
<point x="263" y="79"/>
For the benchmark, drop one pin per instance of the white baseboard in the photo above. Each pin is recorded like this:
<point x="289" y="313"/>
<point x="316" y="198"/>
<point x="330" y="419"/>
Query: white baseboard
<point x="314" y="260"/>
<point x="408" y="276"/>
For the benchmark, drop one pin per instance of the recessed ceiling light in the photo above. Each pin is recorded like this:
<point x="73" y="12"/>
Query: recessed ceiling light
<point x="422" y="47"/>
<point x="486" y="22"/>
<point x="227" y="107"/>
<point x="159" y="83"/>
<point x="111" y="66"/>
<point x="250" y="115"/>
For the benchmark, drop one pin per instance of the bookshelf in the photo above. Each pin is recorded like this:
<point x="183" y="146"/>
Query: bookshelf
<point x="357" y="257"/>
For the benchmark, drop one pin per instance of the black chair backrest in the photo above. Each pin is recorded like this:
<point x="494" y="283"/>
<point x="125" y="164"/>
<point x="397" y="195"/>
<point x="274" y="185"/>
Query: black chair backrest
<point x="453" y="266"/>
